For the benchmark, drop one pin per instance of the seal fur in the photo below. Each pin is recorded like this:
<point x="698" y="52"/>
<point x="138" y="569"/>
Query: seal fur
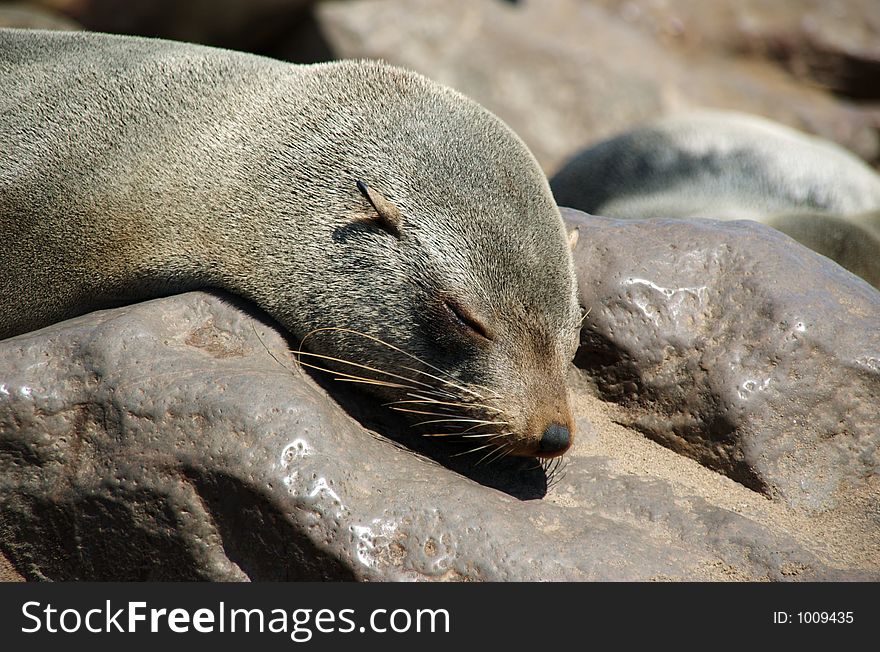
<point x="133" y="168"/>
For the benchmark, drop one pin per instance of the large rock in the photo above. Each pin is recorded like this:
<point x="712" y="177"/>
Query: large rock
<point x="166" y="440"/>
<point x="836" y="44"/>
<point x="734" y="345"/>
<point x="21" y="15"/>
<point x="565" y="73"/>
<point x="279" y="28"/>
<point x="718" y="164"/>
<point x="728" y="165"/>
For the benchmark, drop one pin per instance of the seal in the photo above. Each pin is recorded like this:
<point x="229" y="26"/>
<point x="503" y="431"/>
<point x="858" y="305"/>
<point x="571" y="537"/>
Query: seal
<point x="402" y="232"/>
<point x="727" y="165"/>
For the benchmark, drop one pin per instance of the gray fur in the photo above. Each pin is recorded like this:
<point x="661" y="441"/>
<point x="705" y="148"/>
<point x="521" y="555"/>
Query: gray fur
<point x="132" y="168"/>
<point x="726" y="165"/>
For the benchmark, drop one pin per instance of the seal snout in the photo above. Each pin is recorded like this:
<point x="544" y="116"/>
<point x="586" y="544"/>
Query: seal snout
<point x="555" y="441"/>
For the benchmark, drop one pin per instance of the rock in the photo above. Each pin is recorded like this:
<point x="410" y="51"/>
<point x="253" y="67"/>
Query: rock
<point x="732" y="344"/>
<point x="836" y="44"/>
<point x="728" y="165"/>
<point x="278" y="28"/>
<point x="26" y="16"/>
<point x="720" y="164"/>
<point x="8" y="572"/>
<point x="564" y="73"/>
<point x="167" y="440"/>
<point x="852" y="241"/>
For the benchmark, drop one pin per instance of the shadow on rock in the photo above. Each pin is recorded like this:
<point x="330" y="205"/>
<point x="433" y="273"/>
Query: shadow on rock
<point x="522" y="478"/>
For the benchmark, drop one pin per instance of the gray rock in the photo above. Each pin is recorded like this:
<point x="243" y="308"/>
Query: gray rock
<point x="732" y="344"/>
<point x="261" y="26"/>
<point x="166" y="440"/>
<point x="22" y="15"/>
<point x="565" y="73"/>
<point x="836" y="44"/>
<point x="727" y="165"/>
<point x="716" y="164"/>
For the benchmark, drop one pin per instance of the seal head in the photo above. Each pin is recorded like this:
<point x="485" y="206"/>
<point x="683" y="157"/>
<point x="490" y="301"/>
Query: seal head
<point x="401" y="232"/>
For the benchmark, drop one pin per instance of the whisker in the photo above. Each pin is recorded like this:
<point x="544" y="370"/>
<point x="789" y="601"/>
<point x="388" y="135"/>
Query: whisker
<point x="435" y="392"/>
<point x="425" y="394"/>
<point x="356" y="379"/>
<point x="449" y="403"/>
<point x="477" y="394"/>
<point x="490" y="435"/>
<point x="490" y="456"/>
<point x="360" y="366"/>
<point x="399" y="350"/>
<point x="479" y="422"/>
<point x="254" y="328"/>
<point x="555" y="470"/>
<point x="474" y="450"/>
<point x="585" y="315"/>
<point x="367" y="381"/>
<point x="486" y="423"/>
<point x="430" y="414"/>
<point x="440" y="434"/>
<point x="429" y="394"/>
<point x="443" y="380"/>
<point x="501" y="452"/>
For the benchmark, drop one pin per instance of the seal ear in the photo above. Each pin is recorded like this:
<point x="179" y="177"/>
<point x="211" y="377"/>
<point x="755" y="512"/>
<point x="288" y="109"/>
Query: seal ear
<point x="573" y="238"/>
<point x="390" y="218"/>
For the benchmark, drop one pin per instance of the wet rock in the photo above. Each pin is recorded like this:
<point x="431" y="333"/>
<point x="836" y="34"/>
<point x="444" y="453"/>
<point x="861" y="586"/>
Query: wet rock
<point x="732" y="344"/>
<point x="167" y="440"/>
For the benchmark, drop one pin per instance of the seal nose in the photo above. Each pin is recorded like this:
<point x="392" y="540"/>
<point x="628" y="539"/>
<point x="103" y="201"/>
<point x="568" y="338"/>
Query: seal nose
<point x="555" y="440"/>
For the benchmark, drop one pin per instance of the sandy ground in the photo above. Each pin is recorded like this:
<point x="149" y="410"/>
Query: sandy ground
<point x="845" y="535"/>
<point x="7" y="572"/>
<point x="842" y="537"/>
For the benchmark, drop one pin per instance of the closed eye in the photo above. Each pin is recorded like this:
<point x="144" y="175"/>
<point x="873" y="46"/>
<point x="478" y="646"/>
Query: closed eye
<point x="465" y="319"/>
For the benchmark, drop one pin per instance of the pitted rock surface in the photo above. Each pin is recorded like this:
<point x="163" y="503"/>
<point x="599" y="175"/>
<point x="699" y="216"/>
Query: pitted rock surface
<point x="177" y="439"/>
<point x="734" y="345"/>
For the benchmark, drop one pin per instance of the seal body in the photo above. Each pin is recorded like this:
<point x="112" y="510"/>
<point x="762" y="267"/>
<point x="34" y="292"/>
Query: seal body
<point x="726" y="165"/>
<point x="133" y="168"/>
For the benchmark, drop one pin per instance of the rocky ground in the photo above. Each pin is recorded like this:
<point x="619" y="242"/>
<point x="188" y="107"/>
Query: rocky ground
<point x="727" y="430"/>
<point x="562" y="73"/>
<point x="726" y="387"/>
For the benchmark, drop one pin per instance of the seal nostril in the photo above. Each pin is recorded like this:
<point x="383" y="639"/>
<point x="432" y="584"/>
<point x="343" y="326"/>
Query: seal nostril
<point x="556" y="439"/>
